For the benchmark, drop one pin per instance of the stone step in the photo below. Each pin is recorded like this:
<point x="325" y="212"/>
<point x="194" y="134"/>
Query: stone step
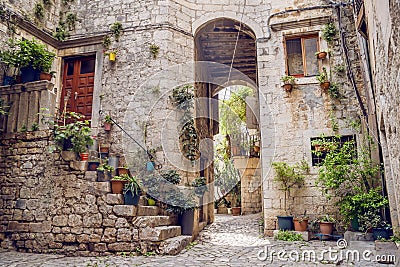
<point x="159" y="233"/>
<point x="148" y="211"/>
<point x="143" y="201"/>
<point x="174" y="245"/>
<point x="152" y="221"/>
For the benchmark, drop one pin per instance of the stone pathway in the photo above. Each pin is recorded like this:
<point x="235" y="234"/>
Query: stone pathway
<point x="230" y="241"/>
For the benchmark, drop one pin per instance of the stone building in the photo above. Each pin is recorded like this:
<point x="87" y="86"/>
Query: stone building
<point x="164" y="44"/>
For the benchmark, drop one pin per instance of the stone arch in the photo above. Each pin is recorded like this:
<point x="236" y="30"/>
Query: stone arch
<point x="208" y="17"/>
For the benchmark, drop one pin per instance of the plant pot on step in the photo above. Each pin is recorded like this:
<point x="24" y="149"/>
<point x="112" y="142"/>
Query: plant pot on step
<point x="285" y="222"/>
<point x="8" y="80"/>
<point x="103" y="176"/>
<point x="229" y="210"/>
<point x="112" y="56"/>
<point x="117" y="186"/>
<point x="84" y="156"/>
<point x="122" y="170"/>
<point x="300" y="224"/>
<point x="186" y="221"/>
<point x="44" y="76"/>
<point x="131" y="199"/>
<point x="355" y="224"/>
<point x="236" y="211"/>
<point x="326" y="228"/>
<point x="322" y="55"/>
<point x="29" y="74"/>
<point x="107" y="126"/>
<point x="325" y="86"/>
<point x="380" y="233"/>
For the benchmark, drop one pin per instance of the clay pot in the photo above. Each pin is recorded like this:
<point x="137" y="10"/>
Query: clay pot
<point x="325" y="86"/>
<point x="236" y="211"/>
<point x="107" y="126"/>
<point x="300" y="224"/>
<point x="45" y="76"/>
<point x="122" y="170"/>
<point x="322" y="55"/>
<point x="117" y="186"/>
<point x="288" y="87"/>
<point x="326" y="228"/>
<point x="84" y="156"/>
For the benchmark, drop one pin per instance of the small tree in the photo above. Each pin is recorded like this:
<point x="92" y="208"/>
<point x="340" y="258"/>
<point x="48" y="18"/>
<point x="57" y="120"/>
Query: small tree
<point x="290" y="176"/>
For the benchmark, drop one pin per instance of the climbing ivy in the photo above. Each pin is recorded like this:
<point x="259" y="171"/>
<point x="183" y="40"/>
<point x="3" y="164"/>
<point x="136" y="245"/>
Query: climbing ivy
<point x="329" y="32"/>
<point x="182" y="98"/>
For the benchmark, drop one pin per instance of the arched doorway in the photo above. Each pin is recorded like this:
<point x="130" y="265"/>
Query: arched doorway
<point x="233" y="44"/>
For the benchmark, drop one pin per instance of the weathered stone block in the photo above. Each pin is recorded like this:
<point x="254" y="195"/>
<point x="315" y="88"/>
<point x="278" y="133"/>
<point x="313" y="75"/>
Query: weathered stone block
<point x="74" y="220"/>
<point x="93" y="220"/>
<point x="95" y="238"/>
<point x="108" y="222"/>
<point x="159" y="233"/>
<point x="91" y="176"/>
<point x="100" y="247"/>
<point x="79" y="165"/>
<point x="20" y="204"/>
<point x="124" y="210"/>
<point x="115" y="199"/>
<point x="68" y="155"/>
<point x="109" y="235"/>
<point x="148" y="211"/>
<point x="118" y="247"/>
<point x="84" y="238"/>
<point x="17" y="227"/>
<point x="175" y="245"/>
<point x="43" y="227"/>
<point x="124" y="234"/>
<point x="60" y="220"/>
<point x="69" y="238"/>
<point x="151" y="221"/>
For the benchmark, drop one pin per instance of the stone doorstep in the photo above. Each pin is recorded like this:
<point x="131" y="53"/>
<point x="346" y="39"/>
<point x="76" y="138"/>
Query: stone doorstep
<point x="174" y="245"/>
<point x="148" y="211"/>
<point x="125" y="210"/>
<point x="159" y="233"/>
<point x="115" y="199"/>
<point x="306" y="235"/>
<point x="385" y="246"/>
<point x="79" y="165"/>
<point x="91" y="176"/>
<point x="151" y="221"/>
<point x="358" y="236"/>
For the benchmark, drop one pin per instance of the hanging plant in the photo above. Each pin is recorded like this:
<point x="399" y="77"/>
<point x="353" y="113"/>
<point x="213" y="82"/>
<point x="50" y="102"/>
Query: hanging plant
<point x="116" y="30"/>
<point x="182" y="97"/>
<point x="71" y="20"/>
<point x="106" y="42"/>
<point x="329" y="32"/>
<point x="39" y="11"/>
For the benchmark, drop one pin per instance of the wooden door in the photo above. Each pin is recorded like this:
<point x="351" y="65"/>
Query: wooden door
<point x="78" y="83"/>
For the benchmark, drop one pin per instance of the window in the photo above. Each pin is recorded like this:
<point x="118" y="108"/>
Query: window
<point x="300" y="56"/>
<point x="318" y="158"/>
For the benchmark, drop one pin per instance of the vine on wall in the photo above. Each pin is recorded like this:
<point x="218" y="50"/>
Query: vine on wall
<point x="182" y="97"/>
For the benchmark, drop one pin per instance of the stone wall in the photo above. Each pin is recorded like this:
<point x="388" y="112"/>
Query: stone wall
<point x="48" y="204"/>
<point x="383" y="28"/>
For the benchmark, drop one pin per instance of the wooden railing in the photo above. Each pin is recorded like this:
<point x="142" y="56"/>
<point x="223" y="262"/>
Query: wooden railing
<point x="358" y="4"/>
<point x="24" y="102"/>
<point x="244" y="144"/>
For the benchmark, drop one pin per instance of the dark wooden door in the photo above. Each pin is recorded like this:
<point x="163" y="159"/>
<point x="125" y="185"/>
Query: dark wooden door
<point x="78" y="83"/>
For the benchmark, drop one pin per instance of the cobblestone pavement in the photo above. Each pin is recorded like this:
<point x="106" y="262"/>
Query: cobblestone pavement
<point x="230" y="241"/>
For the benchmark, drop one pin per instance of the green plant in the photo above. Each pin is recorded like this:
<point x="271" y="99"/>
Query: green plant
<point x="71" y="20"/>
<point x="288" y="236"/>
<point x="339" y="69"/>
<point x="329" y="31"/>
<point x="122" y="177"/>
<point x="179" y="202"/>
<point x="27" y="53"/>
<point x="133" y="184"/>
<point x="116" y="29"/>
<point x="327" y="218"/>
<point x="34" y="127"/>
<point x="154" y="50"/>
<point x="106" y="42"/>
<point x="200" y="185"/>
<point x="77" y="133"/>
<point x="334" y="90"/>
<point x="182" y="97"/>
<point x="61" y="33"/>
<point x="3" y="108"/>
<point x="333" y="121"/>
<point x="105" y="167"/>
<point x="108" y="119"/>
<point x="23" y="129"/>
<point x="322" y="77"/>
<point x="290" y="176"/>
<point x="171" y="176"/>
<point x="287" y="79"/>
<point x="39" y="11"/>
<point x="151" y="153"/>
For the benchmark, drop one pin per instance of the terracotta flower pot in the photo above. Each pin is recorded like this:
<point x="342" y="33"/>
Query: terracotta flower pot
<point x="84" y="156"/>
<point x="326" y="228"/>
<point x="45" y="76"/>
<point x="107" y="126"/>
<point x="122" y="170"/>
<point x="117" y="186"/>
<point x="322" y="55"/>
<point x="236" y="211"/>
<point x="288" y="87"/>
<point x="300" y="224"/>
<point x="325" y="86"/>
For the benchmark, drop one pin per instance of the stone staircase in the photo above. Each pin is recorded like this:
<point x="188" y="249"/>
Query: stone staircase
<point x="139" y="229"/>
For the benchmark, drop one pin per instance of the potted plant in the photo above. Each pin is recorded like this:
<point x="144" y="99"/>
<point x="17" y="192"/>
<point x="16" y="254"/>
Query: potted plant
<point x="321" y="54"/>
<point x="288" y="177"/>
<point x="104" y="172"/>
<point x="326" y="224"/>
<point x="93" y="164"/>
<point x="301" y="222"/>
<point x="288" y="82"/>
<point x="112" y="55"/>
<point x="150" y="165"/>
<point x="200" y="186"/>
<point x="118" y="183"/>
<point x="123" y="170"/>
<point x="29" y="56"/>
<point x="322" y="78"/>
<point x="104" y="150"/>
<point x="107" y="123"/>
<point x="236" y="209"/>
<point x="131" y="190"/>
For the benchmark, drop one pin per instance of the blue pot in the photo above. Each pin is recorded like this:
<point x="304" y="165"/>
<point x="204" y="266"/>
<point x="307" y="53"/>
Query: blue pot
<point x="130" y="199"/>
<point x="285" y="223"/>
<point x="29" y="74"/>
<point x="380" y="233"/>
<point x="150" y="166"/>
<point x="7" y="80"/>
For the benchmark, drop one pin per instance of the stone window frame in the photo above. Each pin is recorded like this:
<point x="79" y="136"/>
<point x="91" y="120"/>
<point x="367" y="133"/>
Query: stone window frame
<point x="302" y="37"/>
